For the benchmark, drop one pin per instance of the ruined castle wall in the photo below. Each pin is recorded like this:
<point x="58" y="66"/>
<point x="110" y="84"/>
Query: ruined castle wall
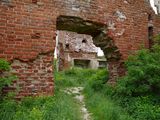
<point x="27" y="31"/>
<point x="27" y="40"/>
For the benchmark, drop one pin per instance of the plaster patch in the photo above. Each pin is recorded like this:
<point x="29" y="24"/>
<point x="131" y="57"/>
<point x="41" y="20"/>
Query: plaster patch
<point x="120" y="33"/>
<point x="120" y="15"/>
<point x="111" y="25"/>
<point x="76" y="7"/>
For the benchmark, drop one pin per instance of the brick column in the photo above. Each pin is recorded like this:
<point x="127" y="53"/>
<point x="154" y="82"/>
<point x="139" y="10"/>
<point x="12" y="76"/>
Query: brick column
<point x="116" y="69"/>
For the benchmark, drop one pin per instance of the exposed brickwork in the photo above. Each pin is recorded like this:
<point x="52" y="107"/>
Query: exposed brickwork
<point x="75" y="46"/>
<point x="35" y="77"/>
<point x="27" y="30"/>
<point x="75" y="42"/>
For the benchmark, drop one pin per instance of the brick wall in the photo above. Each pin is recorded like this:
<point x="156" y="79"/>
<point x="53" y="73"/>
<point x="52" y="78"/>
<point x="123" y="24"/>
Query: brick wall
<point x="76" y="48"/>
<point x="76" y="42"/>
<point x="27" y="33"/>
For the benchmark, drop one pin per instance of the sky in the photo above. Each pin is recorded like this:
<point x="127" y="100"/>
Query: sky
<point x="152" y="4"/>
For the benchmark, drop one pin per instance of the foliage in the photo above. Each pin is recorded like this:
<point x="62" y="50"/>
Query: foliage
<point x="58" y="107"/>
<point x="138" y="91"/>
<point x="4" y="65"/>
<point x="143" y="77"/>
<point x="103" y="108"/>
<point x="5" y="80"/>
<point x="98" y="102"/>
<point x="73" y="77"/>
<point x="98" y="81"/>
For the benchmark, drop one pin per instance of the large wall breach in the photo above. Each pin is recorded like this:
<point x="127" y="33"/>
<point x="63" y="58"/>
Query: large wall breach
<point x="28" y="34"/>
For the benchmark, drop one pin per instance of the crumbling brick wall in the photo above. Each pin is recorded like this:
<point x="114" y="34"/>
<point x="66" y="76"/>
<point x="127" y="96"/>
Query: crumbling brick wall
<point x="27" y="34"/>
<point x="75" y="46"/>
<point x="76" y="42"/>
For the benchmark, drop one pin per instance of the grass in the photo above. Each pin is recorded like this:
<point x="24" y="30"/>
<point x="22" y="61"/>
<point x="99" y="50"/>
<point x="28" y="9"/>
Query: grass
<point x="64" y="107"/>
<point x="58" y="107"/>
<point x="97" y="101"/>
<point x="103" y="108"/>
<point x="73" y="77"/>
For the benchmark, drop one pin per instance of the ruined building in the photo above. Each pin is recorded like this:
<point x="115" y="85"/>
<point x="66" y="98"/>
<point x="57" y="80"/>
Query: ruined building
<point x="28" y="35"/>
<point x="157" y="5"/>
<point x="77" y="50"/>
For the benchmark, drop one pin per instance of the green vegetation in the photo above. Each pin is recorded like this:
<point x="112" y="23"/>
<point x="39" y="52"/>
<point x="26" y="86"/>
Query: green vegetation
<point x="136" y="96"/>
<point x="58" y="107"/>
<point x="97" y="101"/>
<point x="5" y="79"/>
<point x="74" y="77"/>
<point x="139" y="91"/>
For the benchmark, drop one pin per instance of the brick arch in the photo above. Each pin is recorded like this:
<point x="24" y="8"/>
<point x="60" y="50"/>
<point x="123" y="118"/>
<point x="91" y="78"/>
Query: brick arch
<point x="27" y="35"/>
<point x="101" y="38"/>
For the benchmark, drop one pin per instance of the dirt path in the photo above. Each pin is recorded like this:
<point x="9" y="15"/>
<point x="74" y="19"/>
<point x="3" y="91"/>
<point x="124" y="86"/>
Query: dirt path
<point x="77" y="92"/>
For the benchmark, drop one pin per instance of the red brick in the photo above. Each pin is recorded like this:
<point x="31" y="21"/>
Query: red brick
<point x="19" y="22"/>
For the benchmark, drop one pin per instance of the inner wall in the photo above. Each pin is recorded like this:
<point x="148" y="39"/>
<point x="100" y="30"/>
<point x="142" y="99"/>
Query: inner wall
<point x="78" y="50"/>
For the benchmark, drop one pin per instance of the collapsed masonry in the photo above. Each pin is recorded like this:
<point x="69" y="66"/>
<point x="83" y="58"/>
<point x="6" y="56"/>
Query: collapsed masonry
<point x="28" y="35"/>
<point x="77" y="50"/>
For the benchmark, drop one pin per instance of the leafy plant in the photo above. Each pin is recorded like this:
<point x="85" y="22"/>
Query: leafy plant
<point x="138" y="91"/>
<point x="98" y="81"/>
<point x="5" y="79"/>
<point x="4" y="65"/>
<point x="143" y="77"/>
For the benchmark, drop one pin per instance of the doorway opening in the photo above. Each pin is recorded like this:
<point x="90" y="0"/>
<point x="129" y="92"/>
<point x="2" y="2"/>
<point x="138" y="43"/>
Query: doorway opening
<point x="78" y="43"/>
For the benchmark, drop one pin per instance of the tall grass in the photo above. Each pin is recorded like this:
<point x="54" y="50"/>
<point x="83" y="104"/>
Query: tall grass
<point x="103" y="108"/>
<point x="64" y="107"/>
<point x="97" y="101"/>
<point x="73" y="77"/>
<point x="58" y="107"/>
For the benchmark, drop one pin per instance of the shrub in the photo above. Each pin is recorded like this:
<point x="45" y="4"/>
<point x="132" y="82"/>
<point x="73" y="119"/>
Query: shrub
<point x="138" y="91"/>
<point x="142" y="107"/>
<point x="143" y="77"/>
<point x="98" y="81"/>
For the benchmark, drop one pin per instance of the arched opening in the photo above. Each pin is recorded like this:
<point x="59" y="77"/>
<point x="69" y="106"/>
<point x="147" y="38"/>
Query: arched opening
<point x="99" y="34"/>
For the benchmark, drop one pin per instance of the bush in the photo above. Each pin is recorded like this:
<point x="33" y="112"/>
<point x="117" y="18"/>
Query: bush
<point x="143" y="77"/>
<point x="142" y="107"/>
<point x="138" y="92"/>
<point x="98" y="81"/>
